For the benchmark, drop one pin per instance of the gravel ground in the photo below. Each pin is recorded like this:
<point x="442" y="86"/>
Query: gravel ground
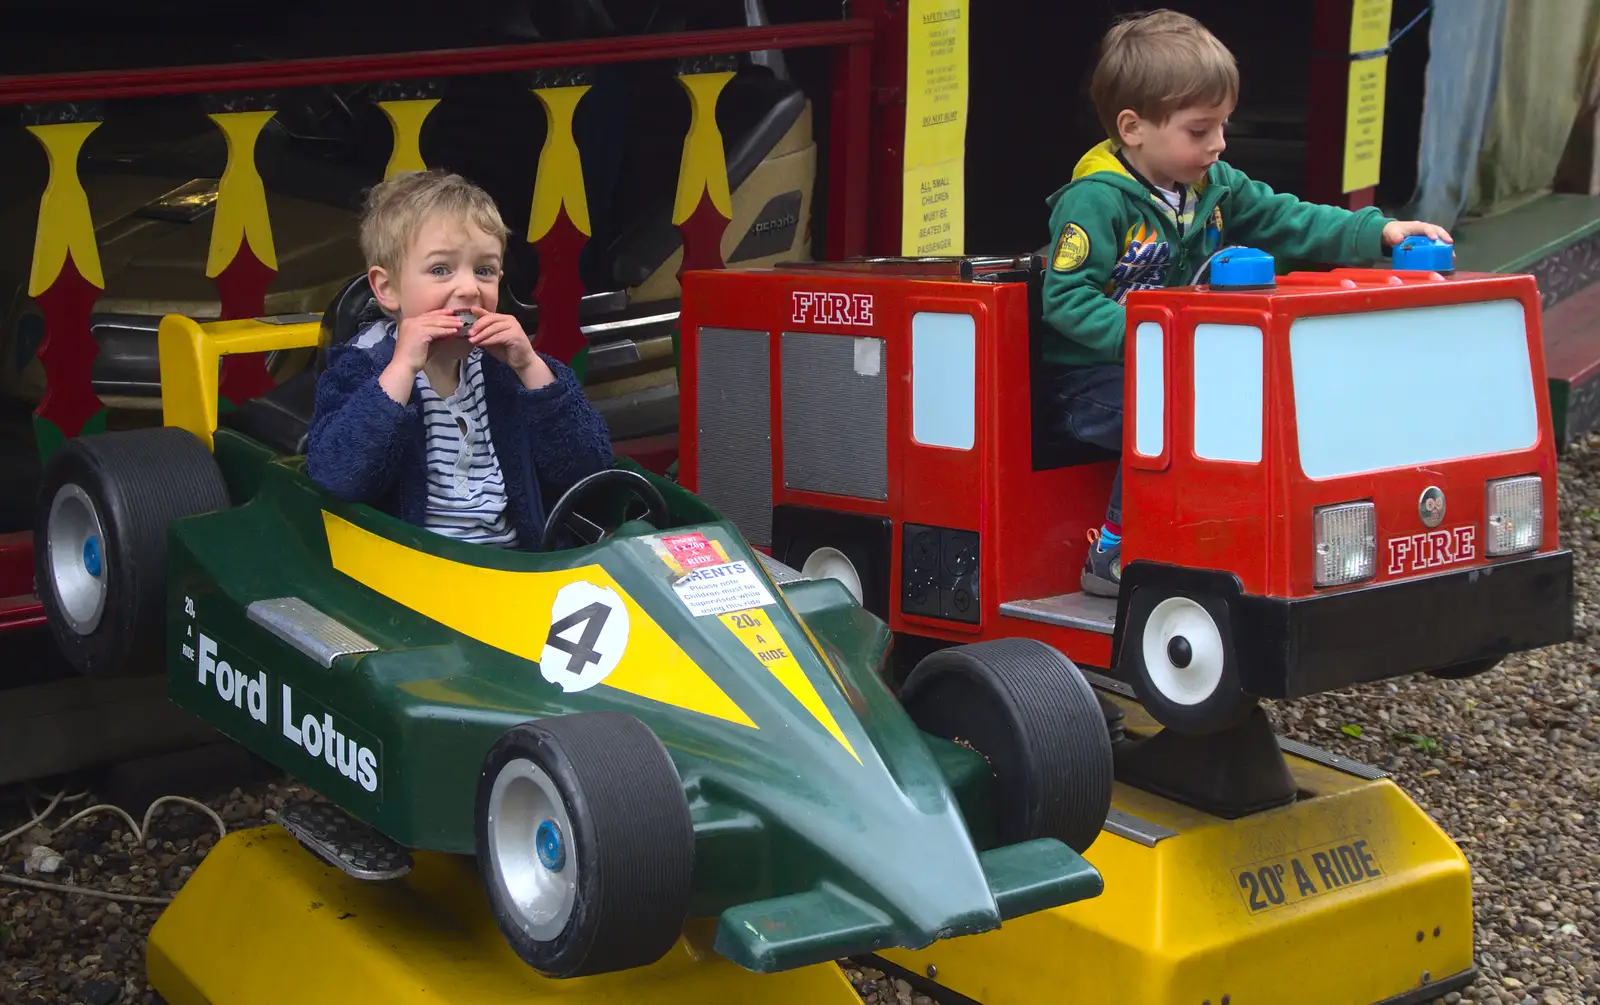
<point x="1508" y="764"/>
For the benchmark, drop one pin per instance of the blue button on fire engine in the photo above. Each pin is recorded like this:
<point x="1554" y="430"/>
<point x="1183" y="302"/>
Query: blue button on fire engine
<point x="1424" y="254"/>
<point x="1242" y="268"/>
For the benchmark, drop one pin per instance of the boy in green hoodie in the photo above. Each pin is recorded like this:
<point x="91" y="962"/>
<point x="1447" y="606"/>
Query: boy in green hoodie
<point x="1145" y="209"/>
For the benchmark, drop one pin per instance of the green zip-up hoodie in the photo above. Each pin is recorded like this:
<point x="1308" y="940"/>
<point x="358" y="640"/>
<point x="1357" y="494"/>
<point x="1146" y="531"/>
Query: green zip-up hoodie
<point x="1113" y="235"/>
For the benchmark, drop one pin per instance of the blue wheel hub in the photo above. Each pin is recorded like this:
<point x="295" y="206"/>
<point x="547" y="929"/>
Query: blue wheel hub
<point x="552" y="849"/>
<point x="91" y="557"/>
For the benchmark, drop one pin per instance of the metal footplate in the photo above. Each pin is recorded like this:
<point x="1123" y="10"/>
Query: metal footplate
<point x="344" y="842"/>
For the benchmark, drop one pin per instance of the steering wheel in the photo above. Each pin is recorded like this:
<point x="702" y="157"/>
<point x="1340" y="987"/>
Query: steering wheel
<point x="564" y="514"/>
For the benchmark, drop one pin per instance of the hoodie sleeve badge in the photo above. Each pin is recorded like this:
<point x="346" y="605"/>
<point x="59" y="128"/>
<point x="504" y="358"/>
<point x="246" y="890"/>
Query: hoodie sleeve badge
<point x="1072" y="250"/>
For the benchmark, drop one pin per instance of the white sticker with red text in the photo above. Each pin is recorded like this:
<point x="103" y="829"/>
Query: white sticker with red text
<point x="1432" y="549"/>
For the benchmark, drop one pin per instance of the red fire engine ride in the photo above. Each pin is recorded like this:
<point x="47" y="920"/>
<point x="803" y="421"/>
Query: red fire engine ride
<point x="1328" y="477"/>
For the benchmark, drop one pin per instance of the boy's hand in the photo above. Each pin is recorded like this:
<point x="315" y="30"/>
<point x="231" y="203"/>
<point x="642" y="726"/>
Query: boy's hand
<point x="413" y="341"/>
<point x="501" y="336"/>
<point x="1396" y="231"/>
<point x="413" y="344"/>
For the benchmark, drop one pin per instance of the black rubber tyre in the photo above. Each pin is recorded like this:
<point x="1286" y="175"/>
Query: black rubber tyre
<point x="132" y="485"/>
<point x="1030" y="713"/>
<point x="627" y="837"/>
<point x="1200" y="696"/>
<point x="1461" y="671"/>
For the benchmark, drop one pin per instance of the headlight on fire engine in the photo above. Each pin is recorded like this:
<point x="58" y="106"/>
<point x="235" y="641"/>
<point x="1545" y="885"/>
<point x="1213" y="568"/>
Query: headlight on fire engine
<point x="1515" y="510"/>
<point x="1347" y="543"/>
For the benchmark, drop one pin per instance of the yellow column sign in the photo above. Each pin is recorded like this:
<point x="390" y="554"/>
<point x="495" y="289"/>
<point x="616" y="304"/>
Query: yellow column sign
<point x="1363" y="123"/>
<point x="933" y="192"/>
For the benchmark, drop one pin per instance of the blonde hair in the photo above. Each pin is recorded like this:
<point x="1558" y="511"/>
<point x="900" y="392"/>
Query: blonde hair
<point x="396" y="208"/>
<point x="1158" y="63"/>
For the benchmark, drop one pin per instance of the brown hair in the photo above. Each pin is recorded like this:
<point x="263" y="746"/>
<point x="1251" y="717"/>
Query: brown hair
<point x="396" y="208"/>
<point x="1157" y="63"/>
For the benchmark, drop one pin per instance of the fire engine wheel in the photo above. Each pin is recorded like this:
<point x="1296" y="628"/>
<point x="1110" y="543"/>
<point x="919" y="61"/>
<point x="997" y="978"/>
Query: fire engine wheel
<point x="1461" y="671"/>
<point x="1031" y="714"/>
<point x="100" y="541"/>
<point x="1179" y="653"/>
<point x="831" y="563"/>
<point x="587" y="869"/>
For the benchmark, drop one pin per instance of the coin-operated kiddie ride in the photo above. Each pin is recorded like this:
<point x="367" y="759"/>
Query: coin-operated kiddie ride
<point x="635" y="762"/>
<point x="1328" y="479"/>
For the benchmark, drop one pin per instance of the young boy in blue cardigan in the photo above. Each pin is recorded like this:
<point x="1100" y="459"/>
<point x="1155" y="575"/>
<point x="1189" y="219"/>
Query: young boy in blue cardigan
<point x="457" y="426"/>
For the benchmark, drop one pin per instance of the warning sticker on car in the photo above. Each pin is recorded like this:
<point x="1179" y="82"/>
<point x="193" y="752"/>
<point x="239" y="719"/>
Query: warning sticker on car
<point x="686" y="552"/>
<point x="756" y="632"/>
<point x="719" y="589"/>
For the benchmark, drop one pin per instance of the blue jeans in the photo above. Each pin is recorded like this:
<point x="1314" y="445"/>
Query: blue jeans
<point x="1086" y="404"/>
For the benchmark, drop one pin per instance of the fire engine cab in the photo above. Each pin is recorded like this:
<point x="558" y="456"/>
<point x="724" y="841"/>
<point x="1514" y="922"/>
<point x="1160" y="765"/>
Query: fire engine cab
<point x="1328" y="477"/>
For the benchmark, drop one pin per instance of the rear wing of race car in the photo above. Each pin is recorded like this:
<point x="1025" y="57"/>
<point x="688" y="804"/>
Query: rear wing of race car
<point x="191" y="355"/>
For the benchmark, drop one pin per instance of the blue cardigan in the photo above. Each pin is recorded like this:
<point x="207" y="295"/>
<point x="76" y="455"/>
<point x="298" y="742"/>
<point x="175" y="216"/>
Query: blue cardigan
<point x="363" y="446"/>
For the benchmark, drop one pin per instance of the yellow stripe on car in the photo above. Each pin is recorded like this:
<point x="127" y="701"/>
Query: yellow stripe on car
<point x="511" y="611"/>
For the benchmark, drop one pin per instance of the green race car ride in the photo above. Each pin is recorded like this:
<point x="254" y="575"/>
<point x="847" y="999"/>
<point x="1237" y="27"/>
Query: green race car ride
<point x="655" y="725"/>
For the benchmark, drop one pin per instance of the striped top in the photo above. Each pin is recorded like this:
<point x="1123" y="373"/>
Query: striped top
<point x="1178" y="204"/>
<point x="466" y="490"/>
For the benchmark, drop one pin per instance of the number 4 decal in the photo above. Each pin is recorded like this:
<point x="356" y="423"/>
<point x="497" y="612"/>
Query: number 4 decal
<point x="588" y="635"/>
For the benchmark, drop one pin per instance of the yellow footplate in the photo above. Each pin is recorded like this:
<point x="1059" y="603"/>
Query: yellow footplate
<point x="1350" y="896"/>
<point x="263" y="922"/>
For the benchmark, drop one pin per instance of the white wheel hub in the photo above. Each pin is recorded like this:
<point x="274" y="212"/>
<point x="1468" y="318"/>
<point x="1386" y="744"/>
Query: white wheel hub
<point x="831" y="563"/>
<point x="76" y="553"/>
<point x="1183" y="651"/>
<point x="530" y="848"/>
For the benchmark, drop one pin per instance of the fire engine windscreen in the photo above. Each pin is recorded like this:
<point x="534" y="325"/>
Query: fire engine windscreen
<point x="1421" y="385"/>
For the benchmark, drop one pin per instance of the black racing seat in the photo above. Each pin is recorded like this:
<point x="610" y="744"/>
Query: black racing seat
<point x="754" y="113"/>
<point x="281" y="417"/>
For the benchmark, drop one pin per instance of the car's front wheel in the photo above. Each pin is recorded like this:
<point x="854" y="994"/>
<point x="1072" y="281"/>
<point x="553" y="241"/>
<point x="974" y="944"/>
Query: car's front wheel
<point x="584" y="843"/>
<point x="100" y="541"/>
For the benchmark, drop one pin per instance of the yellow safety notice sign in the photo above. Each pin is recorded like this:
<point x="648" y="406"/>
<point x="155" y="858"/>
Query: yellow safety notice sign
<point x="933" y="192"/>
<point x="1369" y="66"/>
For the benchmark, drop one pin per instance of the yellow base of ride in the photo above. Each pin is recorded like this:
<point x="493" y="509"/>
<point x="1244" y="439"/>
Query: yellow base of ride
<point x="1352" y="895"/>
<point x="263" y="922"/>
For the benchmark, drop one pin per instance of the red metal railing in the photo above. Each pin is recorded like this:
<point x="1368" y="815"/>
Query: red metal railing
<point x="106" y="84"/>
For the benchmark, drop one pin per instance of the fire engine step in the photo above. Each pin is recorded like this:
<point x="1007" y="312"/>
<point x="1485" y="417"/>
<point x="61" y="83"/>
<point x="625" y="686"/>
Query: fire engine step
<point x="344" y="842"/>
<point x="1071" y="610"/>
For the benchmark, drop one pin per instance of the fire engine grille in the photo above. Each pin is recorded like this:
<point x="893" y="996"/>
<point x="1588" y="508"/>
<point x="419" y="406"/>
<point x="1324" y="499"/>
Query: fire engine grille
<point x="835" y="415"/>
<point x="733" y="399"/>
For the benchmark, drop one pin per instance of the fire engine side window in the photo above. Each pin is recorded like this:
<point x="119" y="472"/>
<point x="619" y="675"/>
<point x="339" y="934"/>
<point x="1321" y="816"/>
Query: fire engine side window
<point x="1150" y="410"/>
<point x="1227" y="392"/>
<point x="944" y="391"/>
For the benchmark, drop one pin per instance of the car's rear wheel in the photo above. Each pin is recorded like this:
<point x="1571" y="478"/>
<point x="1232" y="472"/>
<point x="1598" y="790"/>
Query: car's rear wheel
<point x="100" y="541"/>
<point x="1178" y="651"/>
<point x="1029" y="711"/>
<point x="584" y="843"/>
